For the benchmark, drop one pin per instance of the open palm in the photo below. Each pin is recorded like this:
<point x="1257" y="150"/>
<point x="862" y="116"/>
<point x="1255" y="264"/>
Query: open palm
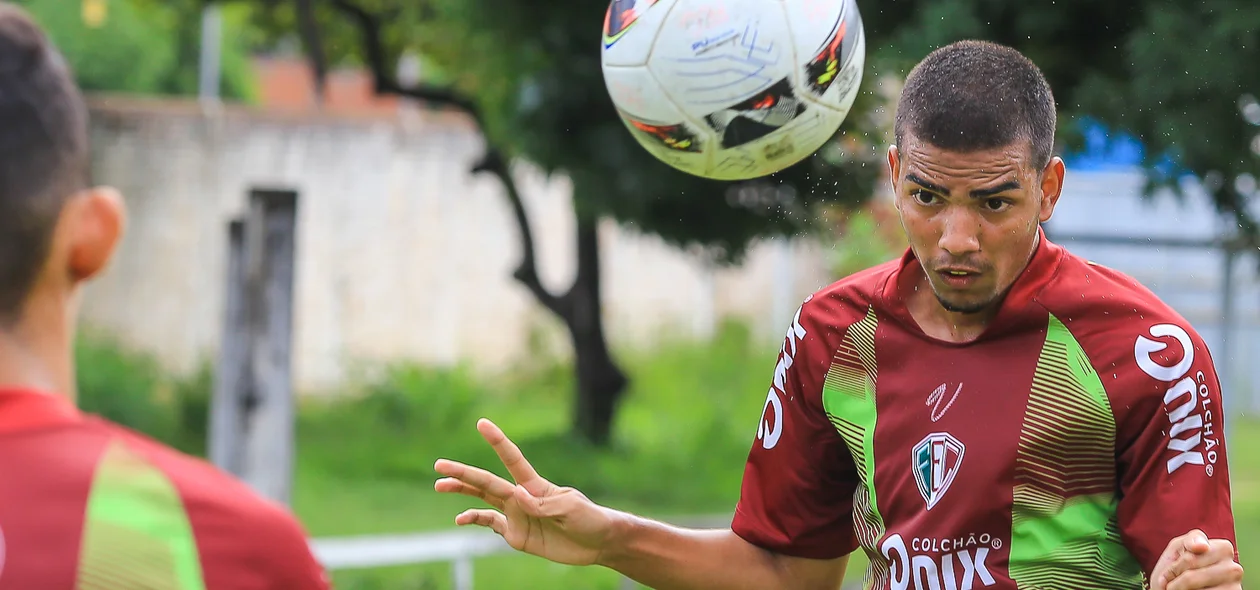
<point x="533" y="515"/>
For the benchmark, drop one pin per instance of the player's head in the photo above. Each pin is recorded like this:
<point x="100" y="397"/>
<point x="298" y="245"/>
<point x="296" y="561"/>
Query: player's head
<point x="55" y="231"/>
<point x="973" y="168"/>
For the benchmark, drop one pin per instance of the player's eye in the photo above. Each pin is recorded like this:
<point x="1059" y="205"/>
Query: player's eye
<point x="922" y="197"/>
<point x="996" y="205"/>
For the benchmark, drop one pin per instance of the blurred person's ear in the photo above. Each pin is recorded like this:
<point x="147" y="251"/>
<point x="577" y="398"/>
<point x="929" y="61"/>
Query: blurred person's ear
<point x="89" y="231"/>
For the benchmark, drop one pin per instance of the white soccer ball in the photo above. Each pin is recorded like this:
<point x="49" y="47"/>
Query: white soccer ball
<point x="733" y="89"/>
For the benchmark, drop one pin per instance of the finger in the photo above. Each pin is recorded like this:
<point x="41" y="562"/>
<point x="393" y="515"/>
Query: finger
<point x="1222" y="574"/>
<point x="1185" y="562"/>
<point x="1161" y="576"/>
<point x="491" y="519"/>
<point x="1195" y="541"/>
<point x="474" y="476"/>
<point x="1177" y="549"/>
<point x="512" y="458"/>
<point x="450" y="485"/>
<point x="1220" y="551"/>
<point x="1172" y="551"/>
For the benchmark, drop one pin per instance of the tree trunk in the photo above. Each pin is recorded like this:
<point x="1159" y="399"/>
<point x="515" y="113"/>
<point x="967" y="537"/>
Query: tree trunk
<point x="600" y="382"/>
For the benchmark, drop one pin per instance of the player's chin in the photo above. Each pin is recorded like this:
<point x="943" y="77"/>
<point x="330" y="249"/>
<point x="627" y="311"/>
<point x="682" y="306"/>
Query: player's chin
<point x="960" y="303"/>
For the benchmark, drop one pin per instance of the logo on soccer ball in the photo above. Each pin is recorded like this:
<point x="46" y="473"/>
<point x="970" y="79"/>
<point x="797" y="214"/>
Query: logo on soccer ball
<point x="936" y="461"/>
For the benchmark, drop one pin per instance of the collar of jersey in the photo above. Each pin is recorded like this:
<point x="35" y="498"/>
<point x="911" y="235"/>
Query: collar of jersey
<point x="1019" y="309"/>
<point x="29" y="409"/>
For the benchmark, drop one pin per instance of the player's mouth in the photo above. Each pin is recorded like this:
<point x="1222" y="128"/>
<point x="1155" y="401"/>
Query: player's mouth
<point x="958" y="278"/>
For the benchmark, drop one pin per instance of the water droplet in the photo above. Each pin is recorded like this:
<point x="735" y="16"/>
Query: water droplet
<point x="1250" y="109"/>
<point x="1245" y="183"/>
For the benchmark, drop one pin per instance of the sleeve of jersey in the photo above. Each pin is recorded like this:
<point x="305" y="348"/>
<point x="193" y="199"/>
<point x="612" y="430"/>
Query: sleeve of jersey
<point x="797" y="493"/>
<point x="292" y="559"/>
<point x="1170" y="441"/>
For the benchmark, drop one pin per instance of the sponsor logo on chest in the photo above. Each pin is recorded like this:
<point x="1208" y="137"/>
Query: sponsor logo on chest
<point x="940" y="563"/>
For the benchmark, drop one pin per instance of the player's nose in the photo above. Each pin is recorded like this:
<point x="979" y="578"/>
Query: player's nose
<point x="960" y="234"/>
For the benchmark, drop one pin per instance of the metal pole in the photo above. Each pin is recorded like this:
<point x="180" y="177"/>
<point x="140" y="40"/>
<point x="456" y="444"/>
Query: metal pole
<point x="1224" y="355"/>
<point x="211" y="41"/>
<point x="270" y="252"/>
<point x="463" y="573"/>
<point x="783" y="300"/>
<point x="227" y="416"/>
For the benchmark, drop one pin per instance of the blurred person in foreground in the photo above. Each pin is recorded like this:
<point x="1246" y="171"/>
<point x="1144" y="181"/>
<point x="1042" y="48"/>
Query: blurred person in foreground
<point x="85" y="503"/>
<point x="987" y="411"/>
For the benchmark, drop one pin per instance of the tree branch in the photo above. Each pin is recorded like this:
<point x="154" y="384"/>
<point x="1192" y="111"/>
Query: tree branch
<point x="491" y="162"/>
<point x="314" y="43"/>
<point x="374" y="52"/>
<point x="527" y="272"/>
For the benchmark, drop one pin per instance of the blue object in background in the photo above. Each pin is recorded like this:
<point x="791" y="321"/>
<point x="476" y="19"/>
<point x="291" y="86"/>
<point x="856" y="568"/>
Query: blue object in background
<point x="1105" y="151"/>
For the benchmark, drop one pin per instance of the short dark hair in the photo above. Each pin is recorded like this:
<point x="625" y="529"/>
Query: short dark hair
<point x="977" y="95"/>
<point x="43" y="152"/>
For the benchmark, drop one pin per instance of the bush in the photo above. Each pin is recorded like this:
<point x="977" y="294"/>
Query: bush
<point x="131" y="389"/>
<point x="681" y="437"/>
<point x="122" y="386"/>
<point x="865" y="238"/>
<point x="680" y="440"/>
<point x="191" y="400"/>
<point x="391" y="428"/>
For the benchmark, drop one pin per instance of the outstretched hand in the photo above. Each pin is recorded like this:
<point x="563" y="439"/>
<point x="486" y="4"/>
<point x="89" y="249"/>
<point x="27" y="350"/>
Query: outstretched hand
<point x="533" y="515"/>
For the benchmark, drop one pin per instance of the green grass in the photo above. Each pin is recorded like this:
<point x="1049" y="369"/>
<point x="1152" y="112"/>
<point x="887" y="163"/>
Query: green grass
<point x="365" y="460"/>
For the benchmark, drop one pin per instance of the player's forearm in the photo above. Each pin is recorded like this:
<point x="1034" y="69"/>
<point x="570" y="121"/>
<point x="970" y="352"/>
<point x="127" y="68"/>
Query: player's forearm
<point x="665" y="557"/>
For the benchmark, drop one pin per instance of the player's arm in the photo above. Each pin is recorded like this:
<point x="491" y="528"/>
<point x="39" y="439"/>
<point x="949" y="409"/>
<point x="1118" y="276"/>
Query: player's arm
<point x="666" y="557"/>
<point x="562" y="525"/>
<point x="1171" y="453"/>
<point x="793" y="526"/>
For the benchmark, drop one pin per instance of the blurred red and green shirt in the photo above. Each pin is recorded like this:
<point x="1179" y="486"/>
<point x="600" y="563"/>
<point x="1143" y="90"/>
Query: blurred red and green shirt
<point x="86" y="505"/>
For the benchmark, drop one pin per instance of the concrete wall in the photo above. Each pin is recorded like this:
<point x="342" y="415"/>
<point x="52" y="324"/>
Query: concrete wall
<point x="401" y="253"/>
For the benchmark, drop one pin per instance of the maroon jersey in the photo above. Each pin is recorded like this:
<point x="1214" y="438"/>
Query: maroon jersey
<point x="87" y="505"/>
<point x="1064" y="448"/>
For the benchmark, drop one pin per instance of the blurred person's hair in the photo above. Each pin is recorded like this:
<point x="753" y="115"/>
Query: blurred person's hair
<point x="43" y="152"/>
<point x="977" y="95"/>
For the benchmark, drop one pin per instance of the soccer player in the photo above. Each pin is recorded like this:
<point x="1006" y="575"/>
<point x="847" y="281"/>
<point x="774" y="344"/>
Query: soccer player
<point x="988" y="411"/>
<point x="85" y="504"/>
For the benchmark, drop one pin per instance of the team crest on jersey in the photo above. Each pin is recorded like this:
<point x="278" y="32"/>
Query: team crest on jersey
<point x="936" y="461"/>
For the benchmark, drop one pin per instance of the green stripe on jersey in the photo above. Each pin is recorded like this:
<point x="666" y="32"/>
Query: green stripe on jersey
<point x="849" y="399"/>
<point x="1063" y="530"/>
<point x="136" y="533"/>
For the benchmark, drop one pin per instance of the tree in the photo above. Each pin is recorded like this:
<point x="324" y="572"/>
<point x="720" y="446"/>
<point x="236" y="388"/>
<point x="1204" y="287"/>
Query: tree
<point x="140" y="46"/>
<point x="1169" y="73"/>
<point x="529" y="75"/>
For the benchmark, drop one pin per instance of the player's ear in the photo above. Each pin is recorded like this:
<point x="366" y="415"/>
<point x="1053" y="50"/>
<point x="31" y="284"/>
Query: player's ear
<point x="894" y="166"/>
<point x="91" y="226"/>
<point x="1051" y="187"/>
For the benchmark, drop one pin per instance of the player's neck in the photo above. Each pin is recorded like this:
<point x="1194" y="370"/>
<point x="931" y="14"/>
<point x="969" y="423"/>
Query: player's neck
<point x="942" y="324"/>
<point x="35" y="353"/>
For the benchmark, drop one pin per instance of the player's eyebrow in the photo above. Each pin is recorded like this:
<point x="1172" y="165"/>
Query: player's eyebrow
<point x="980" y="193"/>
<point x="936" y="188"/>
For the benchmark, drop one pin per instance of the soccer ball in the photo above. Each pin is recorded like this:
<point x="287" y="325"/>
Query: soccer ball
<point x="733" y="89"/>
